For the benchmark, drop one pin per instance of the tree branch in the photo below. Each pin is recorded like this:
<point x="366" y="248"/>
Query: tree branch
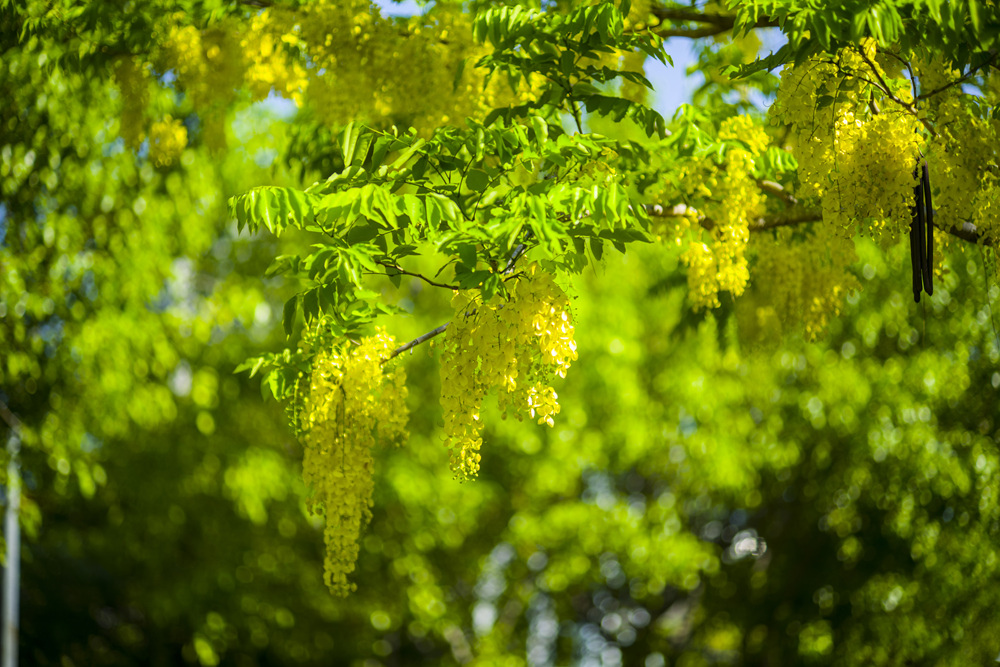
<point x="713" y="24"/>
<point x="804" y="218"/>
<point x="514" y="256"/>
<point x="10" y="418"/>
<point x="690" y="33"/>
<point x="761" y="224"/>
<point x="772" y="188"/>
<point x="965" y="231"/>
<point x="418" y="340"/>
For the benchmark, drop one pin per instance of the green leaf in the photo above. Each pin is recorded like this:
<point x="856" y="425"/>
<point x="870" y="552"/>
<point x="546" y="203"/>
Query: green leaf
<point x="262" y="210"/>
<point x="288" y="314"/>
<point x="597" y="248"/>
<point x="974" y="17"/>
<point x="257" y="366"/>
<point x="477" y="180"/>
<point x="769" y="62"/>
<point x="458" y="74"/>
<point x="348" y="143"/>
<point x="541" y="129"/>
<point x="405" y="156"/>
<point x="491" y="286"/>
<point x="310" y="305"/>
<point x="467" y="255"/>
<point x="283" y="264"/>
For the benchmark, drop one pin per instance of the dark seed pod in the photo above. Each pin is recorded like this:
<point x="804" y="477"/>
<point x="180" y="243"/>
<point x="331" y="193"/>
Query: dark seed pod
<point x="928" y="263"/>
<point x="916" y="238"/>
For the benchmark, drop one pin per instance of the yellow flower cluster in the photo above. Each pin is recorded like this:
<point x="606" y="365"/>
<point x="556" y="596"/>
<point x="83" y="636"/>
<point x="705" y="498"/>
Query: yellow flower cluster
<point x="858" y="162"/>
<point x="209" y="63"/>
<point x="514" y="346"/>
<point x="133" y="81"/>
<point x="702" y="275"/>
<point x="871" y="185"/>
<point x="364" y="66"/>
<point x="355" y="400"/>
<point x="167" y="140"/>
<point x="348" y="60"/>
<point x="210" y="67"/>
<point x="269" y="67"/>
<point x="963" y="156"/>
<point x="729" y="197"/>
<point x="798" y="284"/>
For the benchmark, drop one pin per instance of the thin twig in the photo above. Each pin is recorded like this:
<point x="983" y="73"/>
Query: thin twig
<point x="960" y="79"/>
<point x="884" y="87"/>
<point x="399" y="269"/>
<point x="519" y="250"/>
<point x="418" y="340"/>
<point x="909" y="68"/>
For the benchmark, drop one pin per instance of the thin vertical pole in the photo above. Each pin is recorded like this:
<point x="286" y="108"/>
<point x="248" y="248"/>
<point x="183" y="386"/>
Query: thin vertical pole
<point x="12" y="573"/>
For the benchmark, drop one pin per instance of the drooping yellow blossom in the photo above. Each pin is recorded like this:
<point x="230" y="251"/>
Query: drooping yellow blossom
<point x="355" y="400"/>
<point x="798" y="284"/>
<point x="513" y="346"/>
<point x="730" y="199"/>
<point x="855" y="156"/>
<point x="133" y="82"/>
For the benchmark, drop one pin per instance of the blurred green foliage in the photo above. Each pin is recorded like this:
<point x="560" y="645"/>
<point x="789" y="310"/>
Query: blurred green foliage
<point x="703" y="499"/>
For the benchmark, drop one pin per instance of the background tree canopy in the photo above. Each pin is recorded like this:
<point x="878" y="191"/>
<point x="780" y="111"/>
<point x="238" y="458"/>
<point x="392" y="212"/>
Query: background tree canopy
<point x="755" y="342"/>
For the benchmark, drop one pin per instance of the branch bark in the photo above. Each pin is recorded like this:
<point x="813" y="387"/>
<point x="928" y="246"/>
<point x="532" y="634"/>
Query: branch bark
<point x="400" y="270"/>
<point x="772" y="188"/>
<point x="10" y="418"/>
<point x="965" y="231"/>
<point x="712" y="24"/>
<point x="418" y="340"/>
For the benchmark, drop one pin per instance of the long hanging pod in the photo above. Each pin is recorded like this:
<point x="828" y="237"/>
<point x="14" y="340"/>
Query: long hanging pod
<point x="922" y="233"/>
<point x="917" y="229"/>
<point x="928" y="263"/>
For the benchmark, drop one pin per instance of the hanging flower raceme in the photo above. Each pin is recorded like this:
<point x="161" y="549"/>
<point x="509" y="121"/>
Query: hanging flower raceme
<point x="356" y="400"/>
<point x="512" y="345"/>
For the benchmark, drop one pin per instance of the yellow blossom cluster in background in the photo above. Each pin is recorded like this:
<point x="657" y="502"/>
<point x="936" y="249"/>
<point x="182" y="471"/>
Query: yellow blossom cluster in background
<point x="167" y="140"/>
<point x="269" y="66"/>
<point x="512" y="345"/>
<point x="133" y="81"/>
<point x="798" y="284"/>
<point x="344" y="59"/>
<point x="729" y="198"/>
<point x="415" y="72"/>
